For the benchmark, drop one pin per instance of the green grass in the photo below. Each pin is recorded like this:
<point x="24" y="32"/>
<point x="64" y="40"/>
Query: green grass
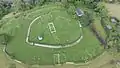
<point x="89" y="47"/>
<point x="63" y="24"/>
<point x="86" y="48"/>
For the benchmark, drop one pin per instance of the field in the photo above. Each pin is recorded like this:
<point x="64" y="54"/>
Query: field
<point x="55" y="28"/>
<point x="106" y="57"/>
<point x="55" y="31"/>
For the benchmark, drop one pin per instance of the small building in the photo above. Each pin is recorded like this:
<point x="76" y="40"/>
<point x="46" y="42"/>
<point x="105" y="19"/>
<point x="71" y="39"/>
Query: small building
<point x="40" y="38"/>
<point x="111" y="1"/>
<point x="109" y="27"/>
<point x="79" y="12"/>
<point x="114" y="20"/>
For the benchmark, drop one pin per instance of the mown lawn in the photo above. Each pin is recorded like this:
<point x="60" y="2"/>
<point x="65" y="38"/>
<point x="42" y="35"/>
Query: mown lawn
<point x="63" y="24"/>
<point x="88" y="48"/>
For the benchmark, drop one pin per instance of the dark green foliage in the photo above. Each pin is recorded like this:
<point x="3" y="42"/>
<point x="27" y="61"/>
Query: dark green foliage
<point x="4" y="39"/>
<point x="41" y="2"/>
<point x="65" y="3"/>
<point x="23" y="6"/>
<point x="103" y="41"/>
<point x="87" y="18"/>
<point x="71" y="10"/>
<point x="104" y="21"/>
<point x="4" y="8"/>
<point x="33" y="2"/>
<point x="101" y="10"/>
<point x="114" y="37"/>
<point x="90" y="16"/>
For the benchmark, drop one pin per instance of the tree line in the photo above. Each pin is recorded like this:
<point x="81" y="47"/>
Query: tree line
<point x="5" y="8"/>
<point x="22" y="5"/>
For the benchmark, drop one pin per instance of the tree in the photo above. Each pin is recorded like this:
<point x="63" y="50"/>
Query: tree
<point x="71" y="10"/>
<point x="41" y="2"/>
<point x="87" y="18"/>
<point x="71" y="1"/>
<point x="33" y="2"/>
<point x="65" y="3"/>
<point x="90" y="17"/>
<point x="21" y="5"/>
<point x="5" y="8"/>
<point x="101" y="10"/>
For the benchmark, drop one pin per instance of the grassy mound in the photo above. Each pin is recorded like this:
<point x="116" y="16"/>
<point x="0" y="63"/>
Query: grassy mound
<point x="86" y="49"/>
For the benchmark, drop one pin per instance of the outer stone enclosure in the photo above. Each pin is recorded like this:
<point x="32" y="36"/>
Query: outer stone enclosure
<point x="56" y="27"/>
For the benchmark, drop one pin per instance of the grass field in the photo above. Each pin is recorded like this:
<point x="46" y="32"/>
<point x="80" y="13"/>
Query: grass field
<point x="87" y="49"/>
<point x="100" y="62"/>
<point x="56" y="28"/>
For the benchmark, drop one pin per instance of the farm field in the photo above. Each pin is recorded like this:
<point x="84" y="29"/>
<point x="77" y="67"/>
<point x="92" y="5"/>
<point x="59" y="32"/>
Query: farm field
<point x="84" y="50"/>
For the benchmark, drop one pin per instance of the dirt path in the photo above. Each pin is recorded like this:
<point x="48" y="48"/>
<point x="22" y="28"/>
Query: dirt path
<point x="6" y="61"/>
<point x="114" y="9"/>
<point x="3" y="61"/>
